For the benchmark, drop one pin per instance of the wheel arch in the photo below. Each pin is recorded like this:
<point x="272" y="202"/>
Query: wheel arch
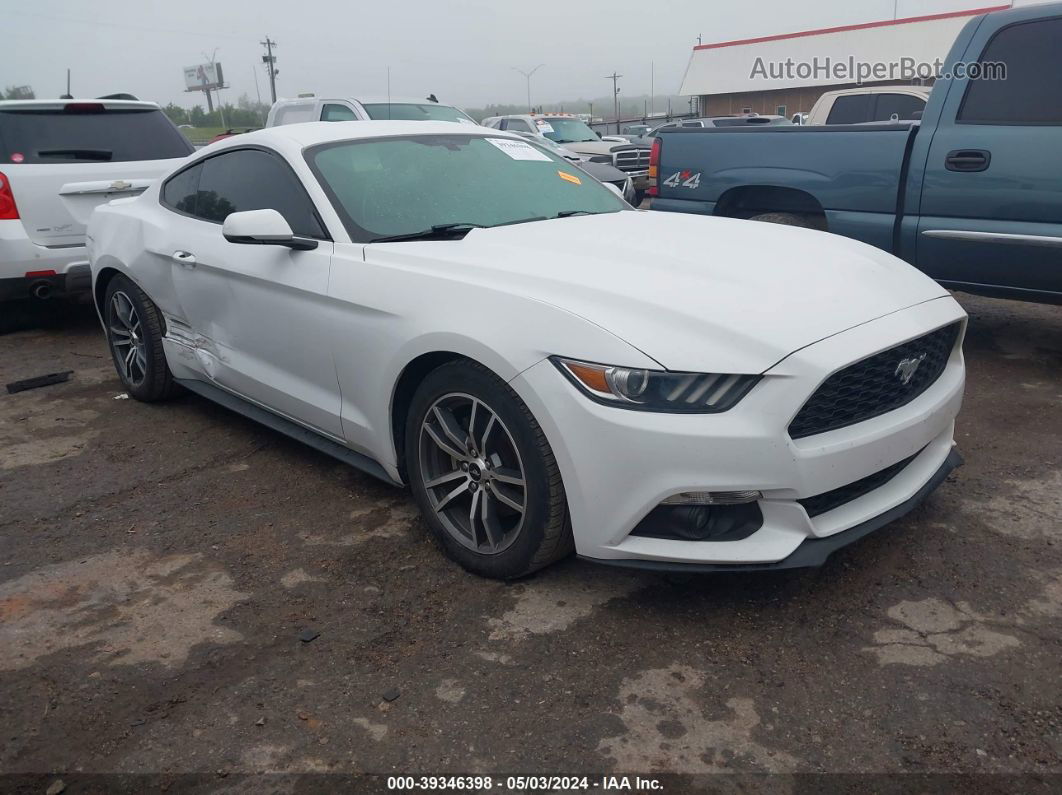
<point x="411" y="377"/>
<point x="748" y="200"/>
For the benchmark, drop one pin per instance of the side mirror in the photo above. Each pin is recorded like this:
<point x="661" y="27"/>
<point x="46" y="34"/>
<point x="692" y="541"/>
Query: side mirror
<point x="597" y="133"/>
<point x="263" y="228"/>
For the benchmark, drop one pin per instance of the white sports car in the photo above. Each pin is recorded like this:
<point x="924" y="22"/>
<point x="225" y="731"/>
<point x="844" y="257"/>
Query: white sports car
<point x="456" y="309"/>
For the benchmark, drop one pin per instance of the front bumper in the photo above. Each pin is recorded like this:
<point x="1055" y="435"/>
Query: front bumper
<point x="813" y="551"/>
<point x="619" y="465"/>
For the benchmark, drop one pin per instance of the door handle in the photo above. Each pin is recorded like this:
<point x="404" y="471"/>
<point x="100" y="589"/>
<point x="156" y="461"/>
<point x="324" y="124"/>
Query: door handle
<point x="185" y="258"/>
<point x="967" y="160"/>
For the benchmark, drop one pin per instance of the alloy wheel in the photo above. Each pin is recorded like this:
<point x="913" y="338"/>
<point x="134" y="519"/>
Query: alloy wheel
<point x="472" y="473"/>
<point x="127" y="339"/>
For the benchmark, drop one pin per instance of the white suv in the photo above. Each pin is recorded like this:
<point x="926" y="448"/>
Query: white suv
<point x="58" y="160"/>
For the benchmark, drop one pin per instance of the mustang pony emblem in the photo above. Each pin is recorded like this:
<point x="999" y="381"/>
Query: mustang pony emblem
<point x="906" y="369"/>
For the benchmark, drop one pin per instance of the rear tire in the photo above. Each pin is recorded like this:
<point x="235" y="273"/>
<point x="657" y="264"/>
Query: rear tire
<point x="134" y="334"/>
<point x="493" y="497"/>
<point x="792" y="219"/>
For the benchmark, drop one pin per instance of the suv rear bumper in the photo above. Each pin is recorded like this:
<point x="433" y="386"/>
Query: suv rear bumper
<point x="26" y="266"/>
<point x="41" y="284"/>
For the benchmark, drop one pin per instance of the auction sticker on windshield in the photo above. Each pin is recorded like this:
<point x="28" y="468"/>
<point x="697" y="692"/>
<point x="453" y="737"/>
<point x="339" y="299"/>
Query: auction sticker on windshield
<point x="518" y="150"/>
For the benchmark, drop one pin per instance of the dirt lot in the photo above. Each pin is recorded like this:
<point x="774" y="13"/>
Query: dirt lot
<point x="158" y="564"/>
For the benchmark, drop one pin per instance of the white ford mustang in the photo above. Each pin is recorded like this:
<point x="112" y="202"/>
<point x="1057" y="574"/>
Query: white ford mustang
<point x="455" y="309"/>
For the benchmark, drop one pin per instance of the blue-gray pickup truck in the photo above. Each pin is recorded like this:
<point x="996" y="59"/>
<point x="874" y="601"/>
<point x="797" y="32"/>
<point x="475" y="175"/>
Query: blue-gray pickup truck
<point x="971" y="194"/>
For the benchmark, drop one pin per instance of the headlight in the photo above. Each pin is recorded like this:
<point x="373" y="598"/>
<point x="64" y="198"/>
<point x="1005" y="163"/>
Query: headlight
<point x="657" y="390"/>
<point x="601" y="159"/>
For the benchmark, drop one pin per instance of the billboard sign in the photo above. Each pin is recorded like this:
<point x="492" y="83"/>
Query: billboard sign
<point x="203" y="76"/>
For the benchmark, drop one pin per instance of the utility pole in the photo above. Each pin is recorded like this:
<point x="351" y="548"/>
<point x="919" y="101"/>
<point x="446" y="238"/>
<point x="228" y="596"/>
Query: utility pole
<point x="527" y="76"/>
<point x="652" y="87"/>
<point x="270" y="61"/>
<point x="615" y="97"/>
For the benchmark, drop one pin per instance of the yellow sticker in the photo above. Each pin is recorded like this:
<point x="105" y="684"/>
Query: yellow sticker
<point x="570" y="177"/>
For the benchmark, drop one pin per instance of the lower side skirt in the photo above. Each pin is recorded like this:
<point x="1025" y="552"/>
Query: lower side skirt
<point x="286" y="427"/>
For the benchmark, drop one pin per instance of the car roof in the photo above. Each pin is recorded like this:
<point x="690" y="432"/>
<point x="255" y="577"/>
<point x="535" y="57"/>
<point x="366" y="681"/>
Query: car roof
<point x="321" y="132"/>
<point x="56" y="104"/>
<point x="369" y="99"/>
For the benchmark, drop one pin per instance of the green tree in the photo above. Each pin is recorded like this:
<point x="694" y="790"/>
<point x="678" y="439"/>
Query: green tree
<point x="19" y="92"/>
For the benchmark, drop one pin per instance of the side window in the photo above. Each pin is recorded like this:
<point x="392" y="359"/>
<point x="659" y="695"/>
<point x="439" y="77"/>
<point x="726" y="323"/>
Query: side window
<point x="293" y="114"/>
<point x="333" y="112"/>
<point x="179" y="191"/>
<point x="903" y="106"/>
<point x="250" y="179"/>
<point x="850" y="109"/>
<point x="517" y="125"/>
<point x="1032" y="90"/>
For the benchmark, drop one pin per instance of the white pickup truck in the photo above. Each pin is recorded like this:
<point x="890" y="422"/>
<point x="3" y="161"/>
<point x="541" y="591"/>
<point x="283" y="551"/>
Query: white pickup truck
<point x="362" y="108"/>
<point x="59" y="159"/>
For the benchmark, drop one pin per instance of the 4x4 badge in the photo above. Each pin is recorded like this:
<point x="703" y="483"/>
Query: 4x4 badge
<point x="906" y="369"/>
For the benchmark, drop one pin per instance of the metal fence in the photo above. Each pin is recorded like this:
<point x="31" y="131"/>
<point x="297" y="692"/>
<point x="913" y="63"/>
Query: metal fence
<point x="611" y="127"/>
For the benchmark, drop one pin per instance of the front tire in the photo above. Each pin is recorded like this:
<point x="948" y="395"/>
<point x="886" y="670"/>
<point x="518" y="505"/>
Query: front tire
<point x="134" y="335"/>
<point x="484" y="475"/>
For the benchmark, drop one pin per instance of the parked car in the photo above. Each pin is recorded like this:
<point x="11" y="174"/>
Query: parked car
<point x="58" y="160"/>
<point x="454" y="309"/>
<point x="970" y="195"/>
<point x="635" y="130"/>
<point x="231" y="132"/>
<point x="573" y="133"/>
<point x="869" y="104"/>
<point x="362" y="108"/>
<point x="602" y="172"/>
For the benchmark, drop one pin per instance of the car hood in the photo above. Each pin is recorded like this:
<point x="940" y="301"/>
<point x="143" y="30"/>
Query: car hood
<point x="692" y="292"/>
<point x="592" y="147"/>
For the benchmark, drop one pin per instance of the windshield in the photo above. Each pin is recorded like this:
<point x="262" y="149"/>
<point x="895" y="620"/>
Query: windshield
<point x="47" y="135"/>
<point x="408" y="111"/>
<point x="565" y="131"/>
<point x="386" y="187"/>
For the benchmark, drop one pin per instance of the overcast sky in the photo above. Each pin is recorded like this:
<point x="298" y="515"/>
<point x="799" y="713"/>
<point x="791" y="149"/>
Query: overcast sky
<point x="462" y="50"/>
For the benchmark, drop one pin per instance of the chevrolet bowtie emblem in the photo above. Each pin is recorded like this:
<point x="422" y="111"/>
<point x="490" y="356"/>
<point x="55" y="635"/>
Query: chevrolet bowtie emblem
<point x="121" y="184"/>
<point x="906" y="369"/>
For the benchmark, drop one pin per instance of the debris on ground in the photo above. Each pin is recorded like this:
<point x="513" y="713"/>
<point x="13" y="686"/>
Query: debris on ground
<point x="38" y="381"/>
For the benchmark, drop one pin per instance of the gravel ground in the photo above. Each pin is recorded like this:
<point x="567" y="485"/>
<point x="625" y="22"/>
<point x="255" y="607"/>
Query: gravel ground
<point x="159" y="564"/>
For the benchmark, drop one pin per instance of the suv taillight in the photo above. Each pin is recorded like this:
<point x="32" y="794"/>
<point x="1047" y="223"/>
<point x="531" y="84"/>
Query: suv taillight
<point x="8" y="208"/>
<point x="654" y="167"/>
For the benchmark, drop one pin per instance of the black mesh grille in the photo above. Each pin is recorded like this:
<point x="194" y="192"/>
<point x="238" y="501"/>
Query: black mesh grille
<point x="874" y="386"/>
<point x="827" y="501"/>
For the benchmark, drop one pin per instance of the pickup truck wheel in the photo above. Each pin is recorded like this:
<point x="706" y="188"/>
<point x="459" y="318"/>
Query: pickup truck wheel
<point x="134" y="335"/>
<point x="792" y="219"/>
<point x="484" y="475"/>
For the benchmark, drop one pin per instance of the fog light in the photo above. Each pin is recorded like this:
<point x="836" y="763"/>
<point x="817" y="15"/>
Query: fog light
<point x="713" y="498"/>
<point x="701" y="522"/>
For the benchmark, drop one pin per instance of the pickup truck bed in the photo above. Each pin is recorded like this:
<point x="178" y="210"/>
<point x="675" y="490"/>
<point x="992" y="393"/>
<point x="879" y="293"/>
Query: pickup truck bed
<point x="777" y="173"/>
